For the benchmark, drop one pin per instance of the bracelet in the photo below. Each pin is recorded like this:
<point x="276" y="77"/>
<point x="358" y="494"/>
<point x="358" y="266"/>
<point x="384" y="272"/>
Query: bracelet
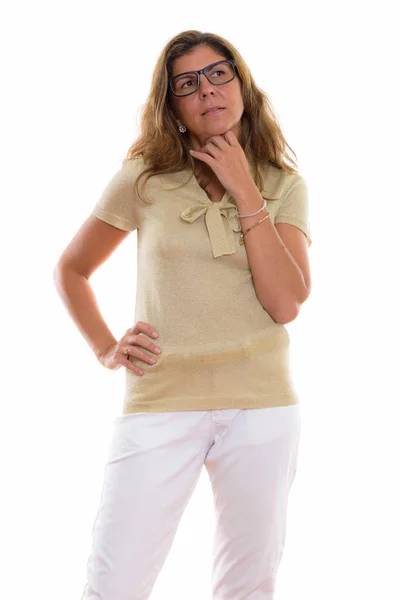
<point x="241" y="241"/>
<point x="252" y="214"/>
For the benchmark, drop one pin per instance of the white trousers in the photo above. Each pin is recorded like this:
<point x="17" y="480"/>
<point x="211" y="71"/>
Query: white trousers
<point x="154" y="463"/>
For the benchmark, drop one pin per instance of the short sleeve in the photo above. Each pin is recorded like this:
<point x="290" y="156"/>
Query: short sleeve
<point x="294" y="208"/>
<point x="117" y="204"/>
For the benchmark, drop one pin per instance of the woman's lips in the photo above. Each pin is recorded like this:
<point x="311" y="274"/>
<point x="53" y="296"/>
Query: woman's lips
<point x="213" y="111"/>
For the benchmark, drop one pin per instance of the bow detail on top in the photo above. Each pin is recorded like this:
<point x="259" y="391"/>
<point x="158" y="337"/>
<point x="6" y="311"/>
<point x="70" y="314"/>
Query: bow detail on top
<point x="221" y="235"/>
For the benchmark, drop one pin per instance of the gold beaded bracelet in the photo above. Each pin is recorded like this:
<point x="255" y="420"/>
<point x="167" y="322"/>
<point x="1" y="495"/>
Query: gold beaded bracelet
<point x="241" y="241"/>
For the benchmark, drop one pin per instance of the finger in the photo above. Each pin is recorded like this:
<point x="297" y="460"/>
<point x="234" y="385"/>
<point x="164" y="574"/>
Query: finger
<point x="209" y="160"/>
<point x="124" y="361"/>
<point x="136" y="352"/>
<point x="132" y="367"/>
<point x="212" y="150"/>
<point x="141" y="340"/>
<point x="218" y="141"/>
<point x="231" y="138"/>
<point x="141" y="326"/>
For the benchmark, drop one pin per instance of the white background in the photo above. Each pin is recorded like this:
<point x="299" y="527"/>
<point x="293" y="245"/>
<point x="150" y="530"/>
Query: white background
<point x="75" y="75"/>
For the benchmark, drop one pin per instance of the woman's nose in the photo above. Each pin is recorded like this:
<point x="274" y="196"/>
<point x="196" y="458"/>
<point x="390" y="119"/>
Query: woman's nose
<point x="204" y="84"/>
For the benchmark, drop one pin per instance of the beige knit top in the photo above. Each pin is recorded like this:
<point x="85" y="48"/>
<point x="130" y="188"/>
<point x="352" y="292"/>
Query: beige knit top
<point x="220" y="347"/>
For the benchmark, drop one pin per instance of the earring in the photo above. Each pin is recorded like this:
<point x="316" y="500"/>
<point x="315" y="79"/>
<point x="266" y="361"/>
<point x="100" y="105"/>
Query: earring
<point x="182" y="128"/>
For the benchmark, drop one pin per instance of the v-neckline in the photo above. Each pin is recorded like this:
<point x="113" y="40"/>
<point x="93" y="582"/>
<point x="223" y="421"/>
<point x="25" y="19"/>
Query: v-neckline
<point x="195" y="183"/>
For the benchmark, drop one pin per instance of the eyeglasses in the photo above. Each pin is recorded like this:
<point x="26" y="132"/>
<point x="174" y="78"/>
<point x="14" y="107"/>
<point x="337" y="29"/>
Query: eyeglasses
<point x="217" y="73"/>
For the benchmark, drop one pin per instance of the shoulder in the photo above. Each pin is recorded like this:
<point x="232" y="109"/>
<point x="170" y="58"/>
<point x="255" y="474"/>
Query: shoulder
<point x="132" y="167"/>
<point x="278" y="182"/>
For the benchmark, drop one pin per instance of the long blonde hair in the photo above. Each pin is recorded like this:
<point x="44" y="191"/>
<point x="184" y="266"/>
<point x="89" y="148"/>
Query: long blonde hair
<point x="165" y="150"/>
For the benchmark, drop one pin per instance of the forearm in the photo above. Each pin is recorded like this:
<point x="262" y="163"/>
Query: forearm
<point x="80" y="302"/>
<point x="278" y="281"/>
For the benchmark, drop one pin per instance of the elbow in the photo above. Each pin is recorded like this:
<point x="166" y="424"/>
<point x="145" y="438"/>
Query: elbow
<point x="284" y="318"/>
<point x="291" y="313"/>
<point x="58" y="273"/>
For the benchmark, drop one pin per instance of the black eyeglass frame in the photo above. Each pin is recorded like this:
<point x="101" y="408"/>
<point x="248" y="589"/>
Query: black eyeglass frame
<point x="203" y="71"/>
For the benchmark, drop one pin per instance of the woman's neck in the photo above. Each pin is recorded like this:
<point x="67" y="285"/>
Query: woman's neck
<point x="206" y="176"/>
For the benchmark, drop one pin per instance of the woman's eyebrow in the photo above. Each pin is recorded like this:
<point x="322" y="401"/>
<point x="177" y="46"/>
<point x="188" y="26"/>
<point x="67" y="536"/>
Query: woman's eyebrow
<point x="195" y="70"/>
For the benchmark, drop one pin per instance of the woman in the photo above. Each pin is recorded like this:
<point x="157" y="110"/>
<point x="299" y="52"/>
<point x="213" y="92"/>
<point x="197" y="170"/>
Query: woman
<point x="222" y="230"/>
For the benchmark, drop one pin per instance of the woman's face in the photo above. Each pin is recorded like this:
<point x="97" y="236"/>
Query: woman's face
<point x="189" y="110"/>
